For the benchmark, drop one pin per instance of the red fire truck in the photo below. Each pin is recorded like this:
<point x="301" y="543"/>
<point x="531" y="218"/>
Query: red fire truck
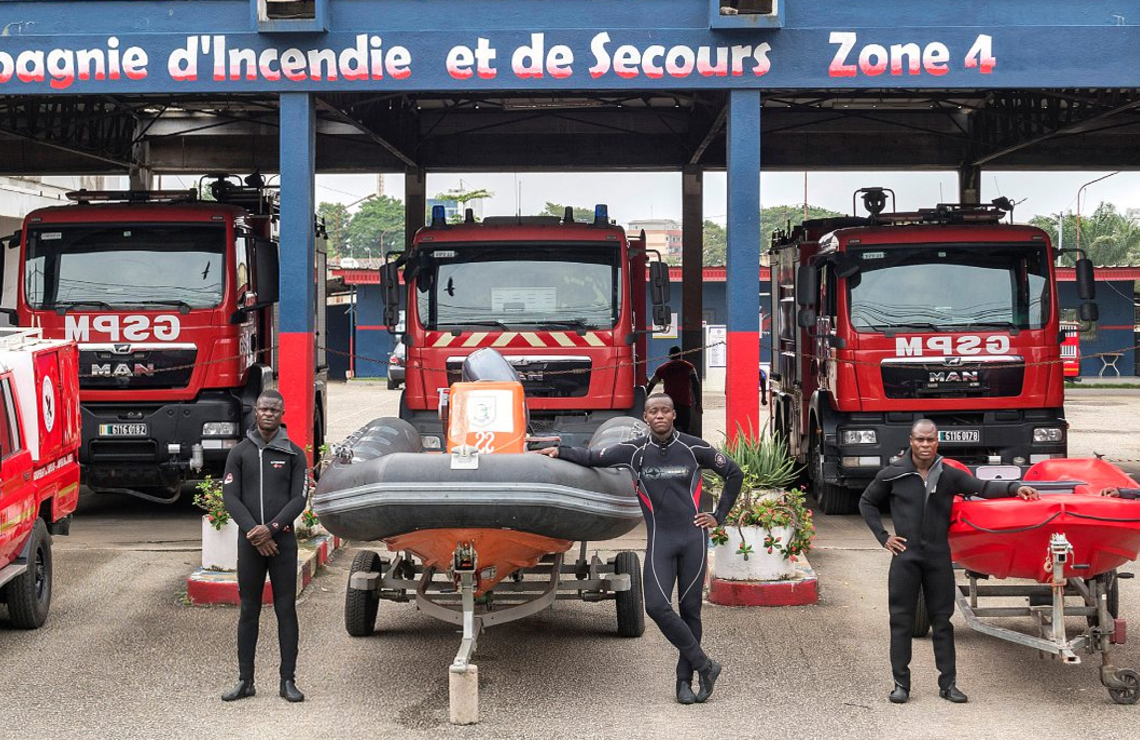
<point x="563" y="301"/>
<point x="39" y="475"/>
<point x="944" y="313"/>
<point x="172" y="300"/>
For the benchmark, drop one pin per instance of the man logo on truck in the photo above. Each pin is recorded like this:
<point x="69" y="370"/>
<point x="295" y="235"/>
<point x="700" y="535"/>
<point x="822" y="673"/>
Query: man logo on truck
<point x="122" y="370"/>
<point x="965" y="345"/>
<point x="134" y="328"/>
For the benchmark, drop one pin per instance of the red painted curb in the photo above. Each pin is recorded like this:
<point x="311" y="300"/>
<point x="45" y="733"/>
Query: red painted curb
<point x="799" y="592"/>
<point x="211" y="587"/>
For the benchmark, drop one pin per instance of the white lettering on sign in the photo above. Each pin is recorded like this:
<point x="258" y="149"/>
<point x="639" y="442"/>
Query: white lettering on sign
<point x="908" y="59"/>
<point x="134" y="328"/>
<point x="946" y="345"/>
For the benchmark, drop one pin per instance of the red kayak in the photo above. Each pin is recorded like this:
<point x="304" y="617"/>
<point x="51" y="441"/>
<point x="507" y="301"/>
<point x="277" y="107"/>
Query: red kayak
<point x="1009" y="538"/>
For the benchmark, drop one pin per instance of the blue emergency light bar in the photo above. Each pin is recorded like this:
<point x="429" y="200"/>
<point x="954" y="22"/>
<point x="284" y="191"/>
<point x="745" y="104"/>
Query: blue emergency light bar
<point x="438" y="216"/>
<point x="601" y="215"/>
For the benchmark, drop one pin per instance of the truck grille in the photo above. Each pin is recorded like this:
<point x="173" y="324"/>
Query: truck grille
<point x="138" y="450"/>
<point x="952" y="377"/>
<point x="542" y="376"/>
<point x="127" y="366"/>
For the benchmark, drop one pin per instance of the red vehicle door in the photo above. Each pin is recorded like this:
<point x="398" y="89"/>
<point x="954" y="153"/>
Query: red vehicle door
<point x="17" y="494"/>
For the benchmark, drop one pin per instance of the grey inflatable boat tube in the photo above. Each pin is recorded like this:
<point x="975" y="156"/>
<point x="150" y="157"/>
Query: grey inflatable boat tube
<point x="382" y="484"/>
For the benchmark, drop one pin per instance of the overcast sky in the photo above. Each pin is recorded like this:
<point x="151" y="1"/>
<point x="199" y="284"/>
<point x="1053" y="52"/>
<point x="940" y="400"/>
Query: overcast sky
<point x="632" y="196"/>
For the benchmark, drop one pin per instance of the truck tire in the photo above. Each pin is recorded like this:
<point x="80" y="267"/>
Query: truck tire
<point x="29" y="594"/>
<point x="361" y="607"/>
<point x="833" y="499"/>
<point x="631" y="603"/>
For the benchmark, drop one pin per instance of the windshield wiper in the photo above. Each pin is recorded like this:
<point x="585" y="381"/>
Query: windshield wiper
<point x="481" y="322"/>
<point x="582" y="326"/>
<point x="183" y="306"/>
<point x="1013" y="328"/>
<point x="907" y="326"/>
<point x="64" y="306"/>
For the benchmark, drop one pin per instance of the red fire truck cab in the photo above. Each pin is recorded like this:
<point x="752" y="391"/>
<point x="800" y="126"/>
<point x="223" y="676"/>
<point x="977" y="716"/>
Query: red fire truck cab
<point x="172" y="300"/>
<point x="563" y="301"/>
<point x="945" y="313"/>
<point x="39" y="475"/>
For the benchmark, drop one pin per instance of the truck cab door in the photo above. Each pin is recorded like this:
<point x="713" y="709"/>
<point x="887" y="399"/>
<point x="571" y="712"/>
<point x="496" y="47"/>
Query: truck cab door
<point x="9" y="278"/>
<point x="822" y="359"/>
<point x="17" y="496"/>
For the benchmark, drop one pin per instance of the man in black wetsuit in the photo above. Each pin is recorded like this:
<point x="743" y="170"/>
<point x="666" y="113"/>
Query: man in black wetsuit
<point x="920" y="491"/>
<point x="666" y="467"/>
<point x="264" y="491"/>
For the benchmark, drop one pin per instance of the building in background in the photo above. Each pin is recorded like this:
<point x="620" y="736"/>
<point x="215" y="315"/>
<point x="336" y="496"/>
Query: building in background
<point x="662" y="234"/>
<point x="19" y="195"/>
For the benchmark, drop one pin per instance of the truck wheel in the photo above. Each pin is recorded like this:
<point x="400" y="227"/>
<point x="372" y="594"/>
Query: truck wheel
<point x="29" y="594"/>
<point x="392" y="385"/>
<point x="360" y="607"/>
<point x="631" y="603"/>
<point x="921" y="617"/>
<point x="833" y="499"/>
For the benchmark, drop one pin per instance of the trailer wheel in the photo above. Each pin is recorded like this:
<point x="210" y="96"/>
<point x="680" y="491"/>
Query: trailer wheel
<point x="631" y="603"/>
<point x="921" y="617"/>
<point x="1131" y="692"/>
<point x="360" y="607"/>
<point x="29" y="594"/>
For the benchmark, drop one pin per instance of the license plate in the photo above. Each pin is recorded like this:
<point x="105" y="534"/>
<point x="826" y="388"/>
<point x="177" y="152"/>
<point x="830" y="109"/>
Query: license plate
<point x="122" y="430"/>
<point x="959" y="435"/>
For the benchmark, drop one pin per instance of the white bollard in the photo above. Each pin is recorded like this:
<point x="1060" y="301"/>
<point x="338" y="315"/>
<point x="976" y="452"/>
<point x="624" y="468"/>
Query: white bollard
<point x="464" y="695"/>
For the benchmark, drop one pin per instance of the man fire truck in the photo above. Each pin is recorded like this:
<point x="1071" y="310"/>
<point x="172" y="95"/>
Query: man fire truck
<point x="172" y="300"/>
<point x="945" y="313"/>
<point x="39" y="475"/>
<point x="563" y="301"/>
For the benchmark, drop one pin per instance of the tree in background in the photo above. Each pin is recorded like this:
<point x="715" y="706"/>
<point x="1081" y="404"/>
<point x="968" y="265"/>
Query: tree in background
<point x="377" y="218"/>
<point x="336" y="218"/>
<point x="583" y="215"/>
<point x="1108" y="236"/>
<point x="463" y="197"/>
<point x="771" y="219"/>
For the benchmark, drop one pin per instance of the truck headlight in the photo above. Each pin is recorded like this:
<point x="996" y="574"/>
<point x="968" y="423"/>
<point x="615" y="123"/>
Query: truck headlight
<point x="1048" y="434"/>
<point x="220" y="429"/>
<point x="859" y="437"/>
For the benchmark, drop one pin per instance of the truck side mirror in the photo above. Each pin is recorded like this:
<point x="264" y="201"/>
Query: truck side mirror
<point x="1088" y="312"/>
<point x="805" y="318"/>
<point x="659" y="286"/>
<point x="390" y="286"/>
<point x="268" y="274"/>
<point x="1086" y="279"/>
<point x="806" y="287"/>
<point x="661" y="315"/>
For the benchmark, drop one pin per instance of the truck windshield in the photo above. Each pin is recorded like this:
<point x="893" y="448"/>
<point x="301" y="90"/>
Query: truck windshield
<point x="950" y="287"/>
<point x="117" y="265"/>
<point x="519" y="286"/>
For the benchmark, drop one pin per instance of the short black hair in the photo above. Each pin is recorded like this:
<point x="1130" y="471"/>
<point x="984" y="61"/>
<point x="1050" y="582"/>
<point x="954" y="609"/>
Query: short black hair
<point x="271" y="394"/>
<point x="659" y="396"/>
<point x="674" y="350"/>
<point x="922" y="423"/>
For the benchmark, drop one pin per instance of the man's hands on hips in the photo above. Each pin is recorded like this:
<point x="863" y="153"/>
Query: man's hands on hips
<point x="1028" y="493"/>
<point x="896" y="544"/>
<point x="705" y="520"/>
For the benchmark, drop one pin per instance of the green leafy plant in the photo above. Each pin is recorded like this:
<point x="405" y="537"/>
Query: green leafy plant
<point x="209" y="498"/>
<point x="766" y="499"/>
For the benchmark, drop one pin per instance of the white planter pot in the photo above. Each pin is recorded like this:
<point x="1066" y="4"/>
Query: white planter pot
<point x="760" y="565"/>
<point x="219" y="546"/>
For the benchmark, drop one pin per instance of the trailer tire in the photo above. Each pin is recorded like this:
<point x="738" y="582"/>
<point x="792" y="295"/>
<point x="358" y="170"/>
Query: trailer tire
<point x="29" y="594"/>
<point x="1131" y="692"/>
<point x="361" y="607"/>
<point x="921" y="617"/>
<point x="631" y="603"/>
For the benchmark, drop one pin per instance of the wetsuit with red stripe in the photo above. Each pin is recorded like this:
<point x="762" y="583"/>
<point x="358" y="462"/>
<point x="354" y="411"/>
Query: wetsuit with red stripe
<point x="668" y="477"/>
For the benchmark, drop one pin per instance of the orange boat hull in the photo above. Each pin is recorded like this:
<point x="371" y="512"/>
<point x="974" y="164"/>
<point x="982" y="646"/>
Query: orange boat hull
<point x="500" y="552"/>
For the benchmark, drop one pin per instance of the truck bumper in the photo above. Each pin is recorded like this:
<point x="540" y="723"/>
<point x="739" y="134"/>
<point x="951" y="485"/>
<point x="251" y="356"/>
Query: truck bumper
<point x="133" y="445"/>
<point x="993" y="443"/>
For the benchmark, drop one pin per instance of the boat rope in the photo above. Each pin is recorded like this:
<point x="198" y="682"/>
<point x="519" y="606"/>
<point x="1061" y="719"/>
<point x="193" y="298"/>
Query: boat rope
<point x="1013" y="530"/>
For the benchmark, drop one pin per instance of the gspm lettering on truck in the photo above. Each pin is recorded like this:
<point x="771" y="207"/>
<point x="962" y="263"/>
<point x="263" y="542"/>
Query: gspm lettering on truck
<point x="39" y="475"/>
<point x="945" y="313"/>
<point x="171" y="300"/>
<point x="563" y="301"/>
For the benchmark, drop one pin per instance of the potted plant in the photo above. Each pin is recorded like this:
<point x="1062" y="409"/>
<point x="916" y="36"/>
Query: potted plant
<point x="219" y="531"/>
<point x="770" y="526"/>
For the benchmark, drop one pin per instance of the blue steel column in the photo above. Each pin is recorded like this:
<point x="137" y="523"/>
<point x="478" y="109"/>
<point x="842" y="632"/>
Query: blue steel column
<point x="298" y="290"/>
<point x="743" y="286"/>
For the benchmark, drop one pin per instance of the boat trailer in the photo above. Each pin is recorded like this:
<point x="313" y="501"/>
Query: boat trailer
<point x="1094" y="599"/>
<point x="452" y="598"/>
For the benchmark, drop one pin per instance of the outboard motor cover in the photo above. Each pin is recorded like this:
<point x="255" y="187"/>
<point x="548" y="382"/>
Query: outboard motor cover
<point x="487" y="364"/>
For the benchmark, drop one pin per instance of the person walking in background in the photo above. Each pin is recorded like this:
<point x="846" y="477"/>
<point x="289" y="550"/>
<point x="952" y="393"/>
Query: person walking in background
<point x="920" y="491"/>
<point x="681" y="384"/>
<point x="264" y="491"/>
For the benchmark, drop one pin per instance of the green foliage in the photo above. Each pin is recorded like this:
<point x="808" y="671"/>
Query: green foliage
<point x="558" y="210"/>
<point x="378" y="218"/>
<point x="715" y="244"/>
<point x="209" y="499"/>
<point x="1108" y="236"/>
<point x="763" y="458"/>
<point x="336" y="218"/>
<point x="771" y="219"/>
